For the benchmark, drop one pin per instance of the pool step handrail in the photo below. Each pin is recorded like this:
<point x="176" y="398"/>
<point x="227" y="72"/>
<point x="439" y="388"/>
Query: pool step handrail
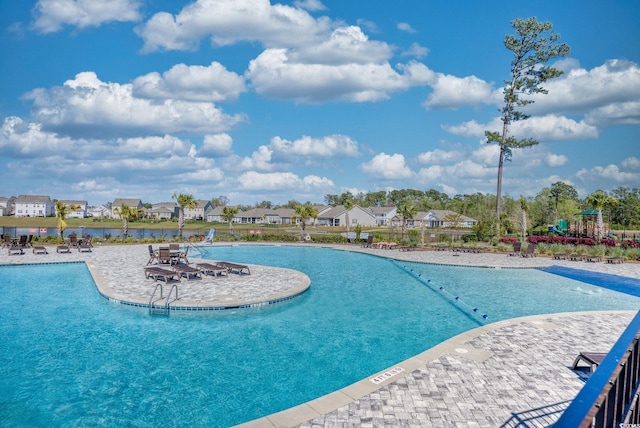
<point x="164" y="308"/>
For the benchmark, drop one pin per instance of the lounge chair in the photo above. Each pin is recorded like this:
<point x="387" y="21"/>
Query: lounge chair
<point x="209" y="238"/>
<point x="158" y="273"/>
<point x="189" y="272"/>
<point x="84" y="248"/>
<point x="63" y="249"/>
<point x="236" y="268"/>
<point x="576" y="257"/>
<point x="16" y="251"/>
<point x="517" y="248"/>
<point x="369" y="242"/>
<point x="153" y="255"/>
<point x="560" y="256"/>
<point x="615" y="260"/>
<point x="39" y="250"/>
<point x="530" y="251"/>
<point x="213" y="269"/>
<point x="592" y="358"/>
<point x="594" y="258"/>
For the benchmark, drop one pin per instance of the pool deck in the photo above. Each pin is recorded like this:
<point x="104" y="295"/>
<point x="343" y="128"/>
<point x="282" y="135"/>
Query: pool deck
<point x="509" y="373"/>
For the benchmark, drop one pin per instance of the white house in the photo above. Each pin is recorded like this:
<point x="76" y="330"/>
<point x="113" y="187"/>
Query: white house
<point x="447" y="219"/>
<point x="80" y="212"/>
<point x="383" y="215"/>
<point x="33" y="206"/>
<point x="199" y="212"/>
<point x="99" y="211"/>
<point x="337" y="216"/>
<point x="6" y="206"/>
<point x="131" y="203"/>
<point x="163" y="211"/>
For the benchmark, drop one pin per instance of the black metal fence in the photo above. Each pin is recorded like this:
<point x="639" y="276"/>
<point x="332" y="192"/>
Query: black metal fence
<point x="610" y="396"/>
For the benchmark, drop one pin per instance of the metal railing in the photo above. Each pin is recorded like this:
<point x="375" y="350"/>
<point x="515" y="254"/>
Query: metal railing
<point x="610" y="396"/>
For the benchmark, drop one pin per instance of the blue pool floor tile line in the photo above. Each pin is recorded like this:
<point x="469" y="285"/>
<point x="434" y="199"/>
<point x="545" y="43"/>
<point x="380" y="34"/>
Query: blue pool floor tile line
<point x="618" y="283"/>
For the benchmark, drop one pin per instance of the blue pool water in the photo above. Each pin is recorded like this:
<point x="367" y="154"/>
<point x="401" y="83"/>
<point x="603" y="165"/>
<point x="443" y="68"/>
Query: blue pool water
<point x="71" y="358"/>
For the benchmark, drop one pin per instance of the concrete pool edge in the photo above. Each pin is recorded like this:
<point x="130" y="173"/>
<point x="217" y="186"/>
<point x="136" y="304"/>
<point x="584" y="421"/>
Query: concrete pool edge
<point x="457" y="345"/>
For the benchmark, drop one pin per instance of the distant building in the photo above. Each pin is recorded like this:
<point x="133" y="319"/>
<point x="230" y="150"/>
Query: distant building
<point x="199" y="212"/>
<point x="6" y="206"/>
<point x="81" y="212"/>
<point x="337" y="216"/>
<point x="131" y="203"/>
<point x="163" y="211"/>
<point x="34" y="206"/>
<point x="384" y="215"/>
<point x="99" y="211"/>
<point x="447" y="219"/>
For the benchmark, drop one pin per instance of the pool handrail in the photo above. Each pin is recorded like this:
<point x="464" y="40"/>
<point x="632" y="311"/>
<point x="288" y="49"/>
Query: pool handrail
<point x="610" y="396"/>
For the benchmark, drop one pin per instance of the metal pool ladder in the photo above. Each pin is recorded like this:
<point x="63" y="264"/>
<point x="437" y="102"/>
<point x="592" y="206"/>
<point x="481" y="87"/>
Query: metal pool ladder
<point x="163" y="308"/>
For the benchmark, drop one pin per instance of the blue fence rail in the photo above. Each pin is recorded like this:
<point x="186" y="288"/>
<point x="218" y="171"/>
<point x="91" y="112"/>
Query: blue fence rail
<point x="610" y="396"/>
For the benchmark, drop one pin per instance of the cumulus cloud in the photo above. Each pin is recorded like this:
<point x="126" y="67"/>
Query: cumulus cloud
<point x="554" y="160"/>
<point x="541" y="128"/>
<point x="273" y="75"/>
<point x="389" y="167"/>
<point x="252" y="180"/>
<point x="325" y="147"/>
<point x="439" y="155"/>
<point x="217" y="145"/>
<point x="454" y="92"/>
<point x="312" y="5"/>
<point x="416" y="51"/>
<point x="51" y="15"/>
<point x="403" y="26"/>
<point x="212" y="83"/>
<point x="87" y="106"/>
<point x="611" y="172"/>
<point x="230" y="21"/>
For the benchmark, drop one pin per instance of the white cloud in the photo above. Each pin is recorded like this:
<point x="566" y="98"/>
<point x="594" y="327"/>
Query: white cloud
<point x="610" y="172"/>
<point x="555" y="161"/>
<point x="273" y="75"/>
<point x="252" y="180"/>
<point x="325" y="147"/>
<point x="403" y="26"/>
<point x="216" y="145"/>
<point x="542" y="128"/>
<point x="390" y="167"/>
<point x="51" y="15"/>
<point x="231" y="21"/>
<point x="454" y="92"/>
<point x="632" y="163"/>
<point x="312" y="5"/>
<point x="439" y="155"/>
<point x="260" y="159"/>
<point x="88" y="106"/>
<point x="416" y="51"/>
<point x="212" y="83"/>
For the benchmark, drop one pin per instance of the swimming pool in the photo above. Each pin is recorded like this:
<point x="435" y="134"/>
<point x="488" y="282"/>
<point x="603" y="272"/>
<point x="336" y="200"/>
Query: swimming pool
<point x="77" y="359"/>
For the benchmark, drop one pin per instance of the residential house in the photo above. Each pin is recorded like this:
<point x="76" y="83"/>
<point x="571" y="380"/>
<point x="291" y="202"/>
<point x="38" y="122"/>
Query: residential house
<point x="99" y="211"/>
<point x="256" y="216"/>
<point x="33" y="206"/>
<point x="384" y="215"/>
<point x="447" y="219"/>
<point x="337" y="216"/>
<point x="215" y="215"/>
<point x="6" y="206"/>
<point x="199" y="212"/>
<point x="79" y="212"/>
<point x="131" y="203"/>
<point x="163" y="211"/>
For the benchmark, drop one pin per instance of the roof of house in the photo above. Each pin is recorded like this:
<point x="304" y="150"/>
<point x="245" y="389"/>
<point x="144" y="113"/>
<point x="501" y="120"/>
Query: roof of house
<point x="32" y="199"/>
<point x="72" y="202"/>
<point x="129" y="202"/>
<point x="441" y="214"/>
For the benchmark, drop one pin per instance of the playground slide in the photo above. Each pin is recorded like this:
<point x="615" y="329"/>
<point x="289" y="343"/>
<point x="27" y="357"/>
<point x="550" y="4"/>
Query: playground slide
<point x="558" y="231"/>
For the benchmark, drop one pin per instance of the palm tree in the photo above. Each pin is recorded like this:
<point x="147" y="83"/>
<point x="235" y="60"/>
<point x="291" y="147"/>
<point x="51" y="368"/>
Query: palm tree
<point x="126" y="213"/>
<point x="62" y="211"/>
<point x="229" y="213"/>
<point x="407" y="211"/>
<point x="525" y="209"/>
<point x="600" y="200"/>
<point x="348" y="204"/>
<point x="184" y="201"/>
<point x="304" y="213"/>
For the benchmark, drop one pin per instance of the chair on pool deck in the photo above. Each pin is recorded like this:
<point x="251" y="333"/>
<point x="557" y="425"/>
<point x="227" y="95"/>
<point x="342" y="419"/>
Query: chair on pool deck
<point x="592" y="358"/>
<point x="189" y="272"/>
<point x="153" y="255"/>
<point x="158" y="273"/>
<point x="530" y="251"/>
<point x="517" y="247"/>
<point x="164" y="256"/>
<point x="213" y="269"/>
<point x="236" y="268"/>
<point x="38" y="249"/>
<point x="369" y="242"/>
<point x="16" y="251"/>
<point x="62" y="249"/>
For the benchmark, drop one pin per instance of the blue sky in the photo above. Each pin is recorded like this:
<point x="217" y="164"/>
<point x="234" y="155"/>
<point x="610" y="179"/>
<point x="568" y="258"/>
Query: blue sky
<point x="258" y="100"/>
